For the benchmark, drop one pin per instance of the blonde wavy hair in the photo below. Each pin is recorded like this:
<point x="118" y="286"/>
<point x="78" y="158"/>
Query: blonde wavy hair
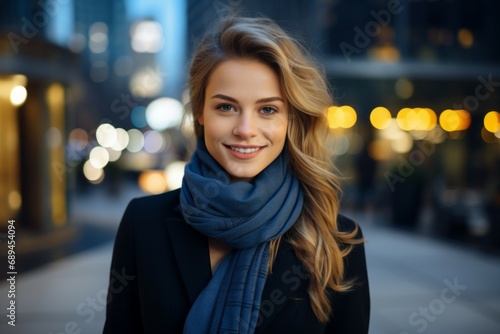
<point x="316" y="239"/>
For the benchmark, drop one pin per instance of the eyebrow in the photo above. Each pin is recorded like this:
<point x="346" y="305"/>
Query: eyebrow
<point x="264" y="100"/>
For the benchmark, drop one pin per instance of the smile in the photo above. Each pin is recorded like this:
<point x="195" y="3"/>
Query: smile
<point x="245" y="150"/>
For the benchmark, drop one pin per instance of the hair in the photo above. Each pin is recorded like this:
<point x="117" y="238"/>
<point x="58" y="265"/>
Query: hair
<point x="315" y="237"/>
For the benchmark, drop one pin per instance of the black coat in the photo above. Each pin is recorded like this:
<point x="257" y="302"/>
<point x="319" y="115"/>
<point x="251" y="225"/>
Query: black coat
<point x="160" y="265"/>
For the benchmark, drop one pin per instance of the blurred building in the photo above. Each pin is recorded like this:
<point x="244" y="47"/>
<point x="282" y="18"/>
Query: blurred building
<point x="67" y="67"/>
<point x="37" y="78"/>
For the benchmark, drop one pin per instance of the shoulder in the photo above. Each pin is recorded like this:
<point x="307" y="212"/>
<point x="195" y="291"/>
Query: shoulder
<point x="348" y="225"/>
<point x="355" y="260"/>
<point x="159" y="201"/>
<point x="165" y="204"/>
<point x="151" y="212"/>
<point x="351" y="309"/>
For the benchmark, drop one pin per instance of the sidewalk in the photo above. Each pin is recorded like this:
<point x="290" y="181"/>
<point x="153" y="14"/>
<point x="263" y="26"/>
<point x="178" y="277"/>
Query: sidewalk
<point x="422" y="285"/>
<point x="418" y="285"/>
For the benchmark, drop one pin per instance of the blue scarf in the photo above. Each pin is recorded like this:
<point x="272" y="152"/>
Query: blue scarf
<point x="245" y="216"/>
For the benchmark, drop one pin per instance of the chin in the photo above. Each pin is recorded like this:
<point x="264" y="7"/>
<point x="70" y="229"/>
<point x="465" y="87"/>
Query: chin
<point x="242" y="177"/>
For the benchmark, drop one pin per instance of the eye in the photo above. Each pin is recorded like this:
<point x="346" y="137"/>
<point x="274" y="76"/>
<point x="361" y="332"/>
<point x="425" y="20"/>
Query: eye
<point x="225" y="107"/>
<point x="268" y="110"/>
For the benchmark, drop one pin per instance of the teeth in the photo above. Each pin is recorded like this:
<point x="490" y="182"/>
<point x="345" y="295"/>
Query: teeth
<point x="245" y="150"/>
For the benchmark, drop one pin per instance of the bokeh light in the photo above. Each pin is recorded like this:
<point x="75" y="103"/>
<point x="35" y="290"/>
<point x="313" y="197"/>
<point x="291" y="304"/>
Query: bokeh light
<point x="153" y="141"/>
<point x="454" y="120"/>
<point x="136" y="140"/>
<point x="380" y="118"/>
<point x="18" y="95"/>
<point x="99" y="157"/>
<point x="106" y="135"/>
<point x="113" y="154"/>
<point x="145" y="83"/>
<point x="174" y="173"/>
<point x="122" y="140"/>
<point x="153" y="181"/>
<point x="341" y="117"/>
<point x="492" y="121"/>
<point x="98" y="37"/>
<point x="93" y="174"/>
<point x="147" y="36"/>
<point x="164" y="113"/>
<point x="138" y="117"/>
<point x="403" y="143"/>
<point x="420" y="119"/>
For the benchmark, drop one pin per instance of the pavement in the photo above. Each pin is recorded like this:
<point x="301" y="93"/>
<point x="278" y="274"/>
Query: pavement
<point x="418" y="284"/>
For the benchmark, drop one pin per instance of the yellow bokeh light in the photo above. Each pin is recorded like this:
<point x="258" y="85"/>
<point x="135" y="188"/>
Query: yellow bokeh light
<point x="454" y="120"/>
<point x="380" y="118"/>
<point x="449" y="120"/>
<point x="432" y="119"/>
<point x="331" y="117"/>
<point x="492" y="121"/>
<point x="401" y="119"/>
<point x="153" y="181"/>
<point x="419" y="119"/>
<point x="341" y="117"/>
<point x="465" y="38"/>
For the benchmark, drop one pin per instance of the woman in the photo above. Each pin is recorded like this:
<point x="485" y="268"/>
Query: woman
<point x="252" y="242"/>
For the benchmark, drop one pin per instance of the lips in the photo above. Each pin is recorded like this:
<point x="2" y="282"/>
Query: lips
<point x="244" y="152"/>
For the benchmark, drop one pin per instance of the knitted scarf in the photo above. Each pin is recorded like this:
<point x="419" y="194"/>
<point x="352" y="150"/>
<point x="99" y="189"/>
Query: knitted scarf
<point x="245" y="216"/>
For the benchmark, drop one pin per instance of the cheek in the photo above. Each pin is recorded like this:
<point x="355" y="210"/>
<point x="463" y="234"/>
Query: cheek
<point x="277" y="130"/>
<point x="213" y="129"/>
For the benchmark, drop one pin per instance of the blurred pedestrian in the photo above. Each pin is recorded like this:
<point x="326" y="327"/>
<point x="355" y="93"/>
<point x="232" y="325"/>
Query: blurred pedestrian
<point x="252" y="242"/>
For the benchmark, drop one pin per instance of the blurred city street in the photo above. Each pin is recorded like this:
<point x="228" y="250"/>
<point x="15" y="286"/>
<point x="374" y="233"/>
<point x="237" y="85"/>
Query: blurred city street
<point x="93" y="102"/>
<point x="418" y="284"/>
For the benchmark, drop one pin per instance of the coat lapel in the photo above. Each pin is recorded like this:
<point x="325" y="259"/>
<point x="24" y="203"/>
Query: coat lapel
<point x="191" y="253"/>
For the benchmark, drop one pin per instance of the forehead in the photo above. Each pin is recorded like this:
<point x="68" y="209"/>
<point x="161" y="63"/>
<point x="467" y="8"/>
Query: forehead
<point x="244" y="77"/>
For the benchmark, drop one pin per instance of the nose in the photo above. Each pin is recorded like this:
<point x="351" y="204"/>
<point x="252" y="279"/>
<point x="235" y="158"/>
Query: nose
<point x="246" y="125"/>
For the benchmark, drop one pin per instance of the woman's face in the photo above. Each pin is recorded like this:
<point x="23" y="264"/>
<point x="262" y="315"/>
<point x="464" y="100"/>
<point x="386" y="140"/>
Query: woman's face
<point x="244" y="116"/>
